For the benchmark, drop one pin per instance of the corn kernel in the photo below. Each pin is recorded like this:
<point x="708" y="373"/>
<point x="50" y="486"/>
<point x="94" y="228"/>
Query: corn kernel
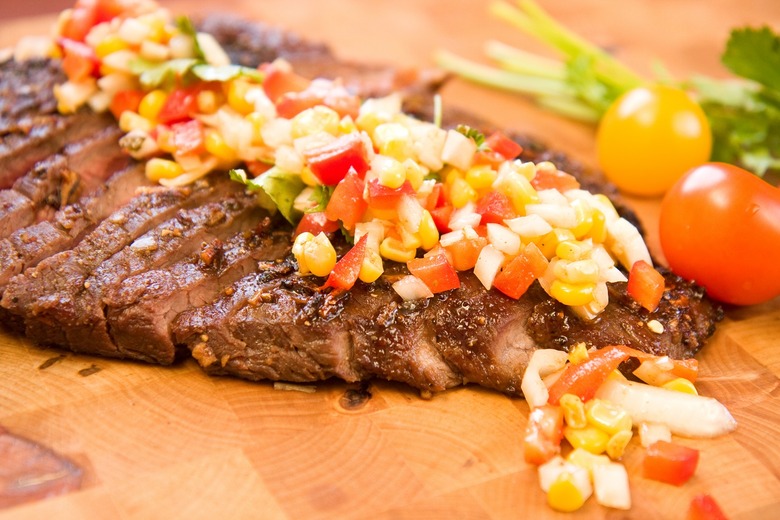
<point x="415" y="173"/>
<point x="598" y="231"/>
<point x="586" y="459"/>
<point x="527" y="169"/>
<point x="578" y="353"/>
<point x="607" y="416"/>
<point x="151" y="104"/>
<point x="368" y="121"/>
<point x="451" y="175"/>
<point x="315" y="254"/>
<point x="237" y="91"/>
<point x="410" y="240"/>
<point x="548" y="243"/>
<point x="573" y="250"/>
<point x="584" y="215"/>
<point x="429" y="234"/>
<point x="461" y="193"/>
<point x="518" y="189"/>
<point x="308" y="177"/>
<point x="481" y="177"/>
<point x="392" y="174"/>
<point x="157" y="169"/>
<point x="372" y="266"/>
<point x="393" y="249"/>
<point x="313" y="120"/>
<point x="573" y="411"/>
<point x="208" y="101"/>
<point x="347" y="125"/>
<point x="130" y="121"/>
<point x="590" y="438"/>
<point x="393" y="140"/>
<point x="680" y="384"/>
<point x="570" y="294"/>
<point x="298" y="250"/>
<point x="616" y="446"/>
<point x="215" y="145"/>
<point x="565" y="495"/>
<point x="256" y="120"/>
<point x="110" y="44"/>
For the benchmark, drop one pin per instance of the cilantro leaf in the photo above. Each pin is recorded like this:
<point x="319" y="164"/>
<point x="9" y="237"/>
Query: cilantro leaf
<point x="472" y="133"/>
<point x="754" y="54"/>
<point x="153" y="75"/>
<point x="321" y="196"/>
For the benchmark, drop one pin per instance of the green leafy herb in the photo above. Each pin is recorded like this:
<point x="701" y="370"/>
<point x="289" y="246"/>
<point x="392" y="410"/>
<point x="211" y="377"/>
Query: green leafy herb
<point x="744" y="114"/>
<point x="321" y="196"/>
<point x="276" y="188"/>
<point x="155" y="75"/>
<point x="186" y="26"/>
<point x="472" y="133"/>
<point x="224" y="73"/>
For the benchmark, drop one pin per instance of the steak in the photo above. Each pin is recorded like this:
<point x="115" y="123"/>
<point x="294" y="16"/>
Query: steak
<point x="123" y="269"/>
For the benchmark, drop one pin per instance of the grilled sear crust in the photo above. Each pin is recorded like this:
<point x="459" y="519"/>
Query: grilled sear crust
<point x="141" y="272"/>
<point x="60" y="180"/>
<point x="140" y="310"/>
<point x="31" y="129"/>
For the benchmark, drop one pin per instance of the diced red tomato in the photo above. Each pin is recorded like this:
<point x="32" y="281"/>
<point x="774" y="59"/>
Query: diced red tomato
<point x="435" y="271"/>
<point x="78" y="23"/>
<point x="543" y="434"/>
<point x="105" y="10"/>
<point x="316" y="223"/>
<point x="384" y="198"/>
<point x="704" y="507"/>
<point x="670" y="462"/>
<point x="465" y="252"/>
<point x="441" y="217"/>
<point x="257" y="168"/>
<point x="503" y="145"/>
<point x="495" y="207"/>
<point x="331" y="162"/>
<point x="489" y="158"/>
<point x="645" y="285"/>
<point x="188" y="137"/>
<point x="179" y="106"/>
<point x="319" y="92"/>
<point x="685" y="368"/>
<point x="436" y="197"/>
<point x="583" y="379"/>
<point x="516" y="277"/>
<point x="439" y="250"/>
<point x="347" y="270"/>
<point x="79" y="60"/>
<point x="279" y="81"/>
<point x="346" y="203"/>
<point x="125" y="100"/>
<point x="554" y="179"/>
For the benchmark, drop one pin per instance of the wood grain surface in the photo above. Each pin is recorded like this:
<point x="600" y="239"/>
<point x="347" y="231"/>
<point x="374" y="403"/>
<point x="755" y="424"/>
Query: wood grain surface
<point x="173" y="443"/>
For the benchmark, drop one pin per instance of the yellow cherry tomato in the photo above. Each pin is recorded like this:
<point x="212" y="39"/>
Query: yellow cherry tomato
<point x="650" y="137"/>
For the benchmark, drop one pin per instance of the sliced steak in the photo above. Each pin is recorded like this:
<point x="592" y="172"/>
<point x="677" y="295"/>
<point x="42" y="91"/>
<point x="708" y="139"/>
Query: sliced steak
<point x="40" y="294"/>
<point x="84" y="320"/>
<point x="61" y="180"/>
<point x="140" y="311"/>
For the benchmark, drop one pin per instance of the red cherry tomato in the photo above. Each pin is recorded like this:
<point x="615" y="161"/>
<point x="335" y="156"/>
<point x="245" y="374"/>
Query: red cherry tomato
<point x="720" y="226"/>
<point x="669" y="462"/>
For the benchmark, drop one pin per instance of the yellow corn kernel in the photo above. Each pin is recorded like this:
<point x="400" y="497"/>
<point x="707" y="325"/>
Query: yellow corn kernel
<point x="577" y="272"/>
<point x="308" y="177"/>
<point x="393" y="140"/>
<point x="410" y="240"/>
<point x="315" y="254"/>
<point x="415" y="173"/>
<point x="598" y="231"/>
<point x="347" y="125"/>
<point x="578" y="353"/>
<point x="130" y="121"/>
<point x="208" y="101"/>
<point x="157" y="169"/>
<point x="151" y="104"/>
<point x="572" y="249"/>
<point x="548" y="243"/>
<point x="215" y="145"/>
<point x="518" y="189"/>
<point x="584" y="215"/>
<point x="616" y="446"/>
<point x="573" y="411"/>
<point x="237" y="91"/>
<point x="451" y="175"/>
<point x="392" y="174"/>
<point x="461" y="193"/>
<point x="368" y="121"/>
<point x="393" y="249"/>
<point x="110" y="44"/>
<point x="564" y="495"/>
<point x="607" y="416"/>
<point x="590" y="438"/>
<point x="313" y="120"/>
<point x="586" y="459"/>
<point x="571" y="294"/>
<point x="372" y="266"/>
<point x="429" y="234"/>
<point x="481" y="177"/>
<point x="156" y="25"/>
<point x="256" y="120"/>
<point x="527" y="169"/>
<point x="680" y="384"/>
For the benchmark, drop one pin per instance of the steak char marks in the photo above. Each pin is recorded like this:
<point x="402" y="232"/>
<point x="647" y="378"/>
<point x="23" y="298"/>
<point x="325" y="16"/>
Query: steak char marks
<point x="107" y="264"/>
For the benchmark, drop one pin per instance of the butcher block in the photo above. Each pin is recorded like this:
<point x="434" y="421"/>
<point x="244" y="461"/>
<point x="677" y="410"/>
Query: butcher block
<point x="172" y="442"/>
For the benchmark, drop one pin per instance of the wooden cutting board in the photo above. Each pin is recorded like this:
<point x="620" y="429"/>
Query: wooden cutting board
<point x="173" y="443"/>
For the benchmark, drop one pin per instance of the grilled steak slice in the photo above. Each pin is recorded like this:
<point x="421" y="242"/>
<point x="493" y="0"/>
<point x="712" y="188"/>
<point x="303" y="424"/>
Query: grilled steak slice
<point x="61" y="180"/>
<point x="84" y="319"/>
<point x="279" y="325"/>
<point x="40" y="294"/>
<point x="141" y="310"/>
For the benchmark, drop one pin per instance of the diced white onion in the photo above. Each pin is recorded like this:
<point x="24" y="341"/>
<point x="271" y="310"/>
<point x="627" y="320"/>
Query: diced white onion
<point x="120" y="60"/>
<point x="610" y="482"/>
<point x="553" y="197"/>
<point x="412" y="288"/>
<point x="529" y="226"/>
<point x="181" y="46"/>
<point x="465" y="216"/>
<point x="488" y="264"/>
<point x="448" y="239"/>
<point x="503" y="239"/>
<point x="277" y="132"/>
<point x="650" y="433"/>
<point x="288" y="159"/>
<point x="133" y="31"/>
<point x="458" y="150"/>
<point x="428" y="143"/>
<point x="304" y="200"/>
<point x="212" y="50"/>
<point x="410" y="213"/>
<point x="557" y="216"/>
<point x="627" y="243"/>
<point x="543" y="362"/>
<point x="555" y="467"/>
